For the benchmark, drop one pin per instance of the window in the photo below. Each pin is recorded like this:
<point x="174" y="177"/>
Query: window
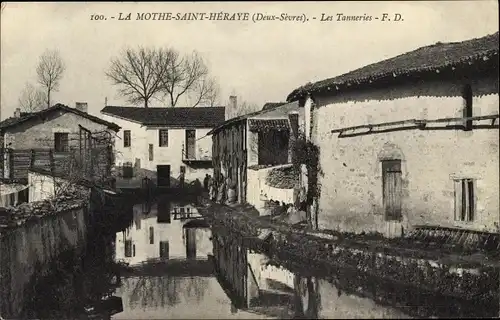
<point x="61" y="142"/>
<point x="163" y="137"/>
<point x="128" y="248"/>
<point x="126" y="139"/>
<point x="465" y="203"/>
<point x="151" y="235"/>
<point x="151" y="155"/>
<point x="467" y="110"/>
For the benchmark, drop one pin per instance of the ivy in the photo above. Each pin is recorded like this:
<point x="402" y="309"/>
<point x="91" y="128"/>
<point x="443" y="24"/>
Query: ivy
<point x="306" y="152"/>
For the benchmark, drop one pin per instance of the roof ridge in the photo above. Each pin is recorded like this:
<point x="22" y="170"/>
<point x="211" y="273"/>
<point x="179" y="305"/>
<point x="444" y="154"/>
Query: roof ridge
<point x="156" y="108"/>
<point x="14" y="120"/>
<point x="169" y="116"/>
<point x="423" y="58"/>
<point x="438" y="43"/>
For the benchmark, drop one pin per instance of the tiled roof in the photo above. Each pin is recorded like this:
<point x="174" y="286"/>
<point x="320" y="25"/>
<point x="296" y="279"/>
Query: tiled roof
<point x="273" y="106"/>
<point x="186" y="117"/>
<point x="425" y="59"/>
<point x="268" y="124"/>
<point x="9" y="122"/>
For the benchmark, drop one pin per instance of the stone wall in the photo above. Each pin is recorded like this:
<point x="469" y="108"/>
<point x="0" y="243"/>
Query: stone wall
<point x="40" y="133"/>
<point x="431" y="159"/>
<point x="27" y="249"/>
<point x="260" y="189"/>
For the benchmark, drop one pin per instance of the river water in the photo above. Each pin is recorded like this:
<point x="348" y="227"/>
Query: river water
<point x="167" y="248"/>
<point x="167" y="263"/>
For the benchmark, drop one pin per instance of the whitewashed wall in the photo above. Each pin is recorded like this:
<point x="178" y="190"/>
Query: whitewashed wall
<point x="142" y="136"/>
<point x="351" y="187"/>
<point x="259" y="192"/>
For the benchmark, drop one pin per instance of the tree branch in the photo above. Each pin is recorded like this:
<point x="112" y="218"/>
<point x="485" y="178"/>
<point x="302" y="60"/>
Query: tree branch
<point x="50" y="70"/>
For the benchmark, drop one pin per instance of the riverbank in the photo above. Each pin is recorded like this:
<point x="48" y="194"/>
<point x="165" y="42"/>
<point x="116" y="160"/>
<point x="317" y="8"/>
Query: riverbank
<point x="44" y="245"/>
<point x="32" y="237"/>
<point x="471" y="276"/>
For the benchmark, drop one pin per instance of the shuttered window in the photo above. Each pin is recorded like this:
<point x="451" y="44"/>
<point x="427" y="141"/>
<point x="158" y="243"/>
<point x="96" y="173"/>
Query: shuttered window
<point x="465" y="203"/>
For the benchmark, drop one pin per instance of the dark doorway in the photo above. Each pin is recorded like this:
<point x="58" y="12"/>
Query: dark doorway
<point x="163" y="175"/>
<point x="273" y="147"/>
<point x="191" y="243"/>
<point x="190" y="144"/>
<point x="164" y="250"/>
<point x="164" y="210"/>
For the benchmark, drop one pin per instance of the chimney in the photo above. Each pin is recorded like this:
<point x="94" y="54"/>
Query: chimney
<point x="82" y="106"/>
<point x="17" y="113"/>
<point x="231" y="108"/>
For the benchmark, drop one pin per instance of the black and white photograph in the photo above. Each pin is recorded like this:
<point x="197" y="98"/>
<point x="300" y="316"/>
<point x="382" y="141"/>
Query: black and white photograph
<point x="249" y="160"/>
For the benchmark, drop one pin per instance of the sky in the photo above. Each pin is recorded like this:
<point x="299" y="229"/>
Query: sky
<point x="259" y="61"/>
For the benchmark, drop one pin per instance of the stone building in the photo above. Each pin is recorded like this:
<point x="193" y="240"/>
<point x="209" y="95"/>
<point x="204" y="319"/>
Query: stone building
<point x="164" y="143"/>
<point x="408" y="141"/>
<point x="246" y="149"/>
<point x="50" y="136"/>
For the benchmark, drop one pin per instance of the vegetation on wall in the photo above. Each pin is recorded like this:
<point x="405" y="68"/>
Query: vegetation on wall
<point x="306" y="152"/>
<point x="283" y="177"/>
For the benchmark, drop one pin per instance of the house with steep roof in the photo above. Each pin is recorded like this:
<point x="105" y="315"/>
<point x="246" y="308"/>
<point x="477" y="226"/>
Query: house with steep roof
<point x="48" y="140"/>
<point x="163" y="143"/>
<point x="411" y="141"/>
<point x="247" y="148"/>
<point x="51" y="128"/>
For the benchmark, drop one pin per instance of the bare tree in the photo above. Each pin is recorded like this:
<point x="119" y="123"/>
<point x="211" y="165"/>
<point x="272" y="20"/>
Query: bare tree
<point x="213" y="97"/>
<point x="50" y="70"/>
<point x="205" y="92"/>
<point x="32" y="99"/>
<point x="147" y="73"/>
<point x="188" y="76"/>
<point x="138" y="72"/>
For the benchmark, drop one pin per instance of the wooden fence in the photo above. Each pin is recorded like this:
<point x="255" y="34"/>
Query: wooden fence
<point x="93" y="165"/>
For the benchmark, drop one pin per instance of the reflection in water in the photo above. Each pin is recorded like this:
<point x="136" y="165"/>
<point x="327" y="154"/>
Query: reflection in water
<point x="76" y="282"/>
<point x="271" y="289"/>
<point x="161" y="234"/>
<point x="179" y="267"/>
<point x="159" y="292"/>
<point x="169" y="274"/>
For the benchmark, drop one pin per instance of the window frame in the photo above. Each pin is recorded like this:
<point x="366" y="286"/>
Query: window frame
<point x="151" y="152"/>
<point x="127" y="134"/>
<point x="161" y="142"/>
<point x="465" y="207"/>
<point x="128" y="244"/>
<point x="151" y="235"/>
<point x="58" y="142"/>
